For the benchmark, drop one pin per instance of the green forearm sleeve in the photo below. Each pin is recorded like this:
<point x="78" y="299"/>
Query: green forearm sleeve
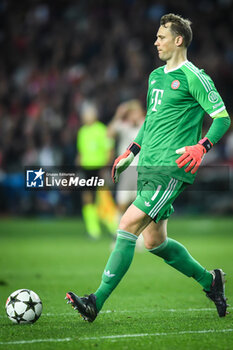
<point x="139" y="137"/>
<point x="218" y="129"/>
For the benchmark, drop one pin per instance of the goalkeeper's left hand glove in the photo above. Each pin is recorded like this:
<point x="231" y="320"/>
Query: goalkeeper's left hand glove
<point x="193" y="154"/>
<point x="123" y="161"/>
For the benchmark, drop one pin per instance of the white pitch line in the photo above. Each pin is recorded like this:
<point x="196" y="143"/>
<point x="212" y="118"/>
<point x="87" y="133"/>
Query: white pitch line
<point x="161" y="310"/>
<point x="204" y="331"/>
<point x="36" y="341"/>
<point x="139" y="311"/>
<point x="131" y="311"/>
<point x="116" y="336"/>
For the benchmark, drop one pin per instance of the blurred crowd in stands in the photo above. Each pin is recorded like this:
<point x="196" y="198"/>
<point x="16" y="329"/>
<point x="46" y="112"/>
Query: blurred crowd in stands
<point x="56" y="55"/>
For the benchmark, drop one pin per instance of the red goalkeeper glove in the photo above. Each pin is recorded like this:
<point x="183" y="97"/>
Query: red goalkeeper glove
<point x="123" y="161"/>
<point x="193" y="154"/>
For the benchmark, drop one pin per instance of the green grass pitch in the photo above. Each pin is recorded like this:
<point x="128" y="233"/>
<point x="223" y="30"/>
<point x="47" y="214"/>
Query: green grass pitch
<point x="154" y="307"/>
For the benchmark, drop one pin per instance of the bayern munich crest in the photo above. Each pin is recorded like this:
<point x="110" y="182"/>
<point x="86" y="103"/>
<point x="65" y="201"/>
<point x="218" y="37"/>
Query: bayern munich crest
<point x="175" y="84"/>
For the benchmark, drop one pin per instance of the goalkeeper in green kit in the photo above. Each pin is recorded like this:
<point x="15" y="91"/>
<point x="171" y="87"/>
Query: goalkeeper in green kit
<point x="171" y="150"/>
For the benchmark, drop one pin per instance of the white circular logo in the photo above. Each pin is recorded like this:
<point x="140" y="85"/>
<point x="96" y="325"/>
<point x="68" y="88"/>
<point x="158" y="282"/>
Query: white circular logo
<point x="213" y="96"/>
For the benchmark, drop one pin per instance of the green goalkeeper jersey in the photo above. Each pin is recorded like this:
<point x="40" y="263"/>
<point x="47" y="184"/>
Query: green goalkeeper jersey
<point x="176" y="104"/>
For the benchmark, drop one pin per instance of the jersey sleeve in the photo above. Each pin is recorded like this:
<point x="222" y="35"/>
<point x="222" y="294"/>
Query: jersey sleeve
<point x="218" y="128"/>
<point x="138" y="139"/>
<point x="202" y="88"/>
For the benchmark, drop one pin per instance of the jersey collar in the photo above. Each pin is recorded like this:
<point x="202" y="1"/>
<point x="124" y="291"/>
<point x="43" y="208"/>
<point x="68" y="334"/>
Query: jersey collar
<point x="172" y="70"/>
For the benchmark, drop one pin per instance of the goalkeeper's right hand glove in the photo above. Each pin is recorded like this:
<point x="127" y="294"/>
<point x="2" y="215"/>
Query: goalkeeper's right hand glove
<point x="123" y="161"/>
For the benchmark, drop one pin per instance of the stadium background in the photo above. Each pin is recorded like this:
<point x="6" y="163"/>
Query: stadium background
<point x="57" y="54"/>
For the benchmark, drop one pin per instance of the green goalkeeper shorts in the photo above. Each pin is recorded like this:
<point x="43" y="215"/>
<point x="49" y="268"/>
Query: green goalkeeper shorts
<point x="156" y="195"/>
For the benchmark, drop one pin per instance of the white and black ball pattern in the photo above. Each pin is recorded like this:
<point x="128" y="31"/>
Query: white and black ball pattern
<point x="23" y="306"/>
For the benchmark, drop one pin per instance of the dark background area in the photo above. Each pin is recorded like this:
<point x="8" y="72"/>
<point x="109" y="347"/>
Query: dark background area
<point x="55" y="55"/>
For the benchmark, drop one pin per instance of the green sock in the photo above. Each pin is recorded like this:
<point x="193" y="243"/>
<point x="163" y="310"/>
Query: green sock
<point x="91" y="220"/>
<point x="176" y="255"/>
<point x="117" y="265"/>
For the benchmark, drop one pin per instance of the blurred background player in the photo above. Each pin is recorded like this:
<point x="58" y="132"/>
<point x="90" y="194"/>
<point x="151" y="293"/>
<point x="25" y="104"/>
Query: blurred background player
<point x="94" y="151"/>
<point x="124" y="127"/>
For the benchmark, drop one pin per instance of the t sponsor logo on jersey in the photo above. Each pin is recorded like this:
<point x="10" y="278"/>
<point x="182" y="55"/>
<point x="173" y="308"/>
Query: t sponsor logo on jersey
<point x="175" y="84"/>
<point x="147" y="204"/>
<point x="35" y="178"/>
<point x="213" y="96"/>
<point x="157" y="95"/>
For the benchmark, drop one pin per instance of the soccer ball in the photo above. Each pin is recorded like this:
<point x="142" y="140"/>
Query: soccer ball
<point x="23" y="306"/>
